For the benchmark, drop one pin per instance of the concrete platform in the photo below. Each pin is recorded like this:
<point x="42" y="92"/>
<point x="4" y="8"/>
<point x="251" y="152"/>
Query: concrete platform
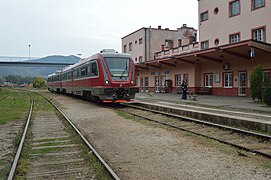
<point x="233" y="111"/>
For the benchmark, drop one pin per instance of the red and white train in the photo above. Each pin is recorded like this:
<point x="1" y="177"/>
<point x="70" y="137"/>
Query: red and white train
<point x="107" y="76"/>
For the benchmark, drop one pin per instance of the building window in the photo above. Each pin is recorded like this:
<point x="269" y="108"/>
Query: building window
<point x="130" y="47"/>
<point x="208" y="79"/>
<point x="259" y="34"/>
<point x="234" y="8"/>
<point x="228" y="80"/>
<point x="204" y="45"/>
<point x="234" y="38"/>
<point x="140" y="41"/>
<point x="141" y="82"/>
<point x="178" y="80"/>
<point x="135" y="41"/>
<point x="266" y="77"/>
<point x="146" y="81"/>
<point x="125" y="48"/>
<point x="204" y="16"/>
<point x="216" y="11"/>
<point x="216" y="42"/>
<point x="185" y="78"/>
<point x="140" y="59"/>
<point x="135" y="59"/>
<point x="257" y="4"/>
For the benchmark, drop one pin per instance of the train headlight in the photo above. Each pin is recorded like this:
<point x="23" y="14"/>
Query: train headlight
<point x="106" y="82"/>
<point x="132" y="82"/>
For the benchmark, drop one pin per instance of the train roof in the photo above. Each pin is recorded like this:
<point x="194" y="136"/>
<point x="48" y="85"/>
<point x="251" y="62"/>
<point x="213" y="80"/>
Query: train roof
<point x="53" y="74"/>
<point x="104" y="53"/>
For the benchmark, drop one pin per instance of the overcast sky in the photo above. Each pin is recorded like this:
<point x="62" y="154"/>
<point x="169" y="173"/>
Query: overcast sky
<point x="66" y="27"/>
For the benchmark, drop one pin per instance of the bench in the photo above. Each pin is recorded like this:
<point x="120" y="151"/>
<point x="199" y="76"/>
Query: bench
<point x="204" y="91"/>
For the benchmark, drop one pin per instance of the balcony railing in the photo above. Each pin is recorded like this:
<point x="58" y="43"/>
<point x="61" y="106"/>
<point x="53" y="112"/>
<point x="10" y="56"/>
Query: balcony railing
<point x="176" y="51"/>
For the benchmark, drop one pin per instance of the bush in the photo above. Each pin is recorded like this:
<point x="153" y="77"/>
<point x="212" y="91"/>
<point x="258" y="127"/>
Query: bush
<point x="267" y="95"/>
<point x="256" y="83"/>
<point x="39" y="82"/>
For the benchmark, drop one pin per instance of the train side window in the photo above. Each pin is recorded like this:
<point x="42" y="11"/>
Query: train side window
<point x="78" y="73"/>
<point x="69" y="75"/>
<point x="94" y="69"/>
<point x="83" y="71"/>
<point x="74" y="74"/>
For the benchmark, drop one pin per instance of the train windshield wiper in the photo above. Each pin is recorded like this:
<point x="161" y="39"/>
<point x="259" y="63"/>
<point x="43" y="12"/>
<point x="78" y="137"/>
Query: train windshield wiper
<point x="122" y="74"/>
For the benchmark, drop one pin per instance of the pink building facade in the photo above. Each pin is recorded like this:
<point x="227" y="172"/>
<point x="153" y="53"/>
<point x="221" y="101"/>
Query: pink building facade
<point x="145" y="42"/>
<point x="234" y="37"/>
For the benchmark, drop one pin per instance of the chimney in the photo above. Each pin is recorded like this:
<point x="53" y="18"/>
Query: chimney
<point x="184" y="25"/>
<point x="159" y="27"/>
<point x="162" y="47"/>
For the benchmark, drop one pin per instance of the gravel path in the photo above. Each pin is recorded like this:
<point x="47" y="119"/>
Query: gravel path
<point x="8" y="133"/>
<point x="139" y="150"/>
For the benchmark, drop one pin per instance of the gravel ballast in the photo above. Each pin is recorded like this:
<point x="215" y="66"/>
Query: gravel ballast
<point x="140" y="150"/>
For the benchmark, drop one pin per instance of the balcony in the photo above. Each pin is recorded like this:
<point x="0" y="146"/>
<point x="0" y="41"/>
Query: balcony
<point x="177" y="51"/>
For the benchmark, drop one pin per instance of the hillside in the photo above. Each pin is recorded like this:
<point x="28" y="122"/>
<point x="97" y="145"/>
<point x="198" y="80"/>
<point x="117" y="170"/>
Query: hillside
<point x="38" y="71"/>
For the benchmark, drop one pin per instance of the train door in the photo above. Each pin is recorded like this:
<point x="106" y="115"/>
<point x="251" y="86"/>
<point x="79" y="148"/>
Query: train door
<point x="242" y="84"/>
<point x="157" y="83"/>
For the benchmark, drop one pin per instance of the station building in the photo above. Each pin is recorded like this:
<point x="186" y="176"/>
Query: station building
<point x="234" y="37"/>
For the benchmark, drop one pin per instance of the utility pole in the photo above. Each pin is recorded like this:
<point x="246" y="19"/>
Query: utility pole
<point x="29" y="45"/>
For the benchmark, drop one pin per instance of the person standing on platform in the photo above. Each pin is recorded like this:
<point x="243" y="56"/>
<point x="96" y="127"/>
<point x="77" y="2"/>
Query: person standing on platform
<point x="184" y="90"/>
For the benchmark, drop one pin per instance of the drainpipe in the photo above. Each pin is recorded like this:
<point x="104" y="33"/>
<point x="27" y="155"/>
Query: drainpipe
<point x="149" y="44"/>
<point x="145" y="38"/>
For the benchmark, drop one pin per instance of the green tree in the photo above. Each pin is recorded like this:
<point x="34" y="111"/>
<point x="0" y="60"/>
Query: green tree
<point x="39" y="82"/>
<point x="256" y="83"/>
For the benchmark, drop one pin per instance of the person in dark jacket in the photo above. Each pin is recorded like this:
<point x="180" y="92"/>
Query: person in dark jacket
<point x="184" y="90"/>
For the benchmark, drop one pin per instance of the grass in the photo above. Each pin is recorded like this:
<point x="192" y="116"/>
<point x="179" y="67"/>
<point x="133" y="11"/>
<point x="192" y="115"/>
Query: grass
<point x="14" y="106"/>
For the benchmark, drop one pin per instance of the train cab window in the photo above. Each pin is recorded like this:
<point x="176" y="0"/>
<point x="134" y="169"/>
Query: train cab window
<point x="118" y="67"/>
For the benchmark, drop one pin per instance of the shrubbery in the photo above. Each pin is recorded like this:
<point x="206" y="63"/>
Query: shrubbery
<point x="260" y="88"/>
<point x="256" y="83"/>
<point x="39" y="82"/>
<point x="267" y="95"/>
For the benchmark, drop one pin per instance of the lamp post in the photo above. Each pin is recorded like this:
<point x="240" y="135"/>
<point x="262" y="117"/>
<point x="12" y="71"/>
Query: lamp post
<point x="29" y="45"/>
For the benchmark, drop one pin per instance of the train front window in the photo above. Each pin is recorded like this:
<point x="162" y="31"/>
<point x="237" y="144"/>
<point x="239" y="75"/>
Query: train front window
<point x="118" y="67"/>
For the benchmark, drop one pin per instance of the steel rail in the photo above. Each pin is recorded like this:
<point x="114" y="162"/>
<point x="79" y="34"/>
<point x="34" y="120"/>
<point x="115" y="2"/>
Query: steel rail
<point x="259" y="135"/>
<point x="2" y="98"/>
<point x="108" y="168"/>
<point x="203" y="135"/>
<point x="16" y="159"/>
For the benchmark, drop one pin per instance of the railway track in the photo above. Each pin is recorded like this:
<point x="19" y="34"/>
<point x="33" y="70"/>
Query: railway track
<point x="52" y="147"/>
<point x="2" y="98"/>
<point x="252" y="142"/>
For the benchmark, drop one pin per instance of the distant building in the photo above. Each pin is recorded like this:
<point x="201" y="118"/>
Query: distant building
<point x="145" y="42"/>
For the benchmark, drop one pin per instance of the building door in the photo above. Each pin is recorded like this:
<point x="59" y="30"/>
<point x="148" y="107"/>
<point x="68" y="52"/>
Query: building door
<point x="157" y="83"/>
<point x="242" y="84"/>
<point x="163" y="84"/>
<point x="141" y="84"/>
